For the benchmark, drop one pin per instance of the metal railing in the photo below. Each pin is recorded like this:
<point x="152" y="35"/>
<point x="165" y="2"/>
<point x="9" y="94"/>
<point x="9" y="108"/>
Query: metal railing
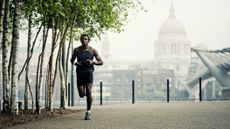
<point x="132" y="98"/>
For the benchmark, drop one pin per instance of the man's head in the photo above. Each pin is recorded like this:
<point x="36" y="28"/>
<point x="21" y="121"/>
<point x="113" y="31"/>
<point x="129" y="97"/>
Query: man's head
<point x="84" y="39"/>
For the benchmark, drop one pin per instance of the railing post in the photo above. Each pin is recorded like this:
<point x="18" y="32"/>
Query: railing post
<point x="19" y="105"/>
<point x="72" y="78"/>
<point x="69" y="95"/>
<point x="101" y="91"/>
<point x="200" y="89"/>
<point x="0" y="104"/>
<point x="72" y="95"/>
<point x="133" y="92"/>
<point x="167" y="90"/>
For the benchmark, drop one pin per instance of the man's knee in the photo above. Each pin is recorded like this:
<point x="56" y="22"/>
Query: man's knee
<point x="81" y="95"/>
<point x="88" y="94"/>
<point x="81" y="91"/>
<point x="88" y="90"/>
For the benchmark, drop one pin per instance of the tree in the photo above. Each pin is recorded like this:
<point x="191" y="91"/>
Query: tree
<point x="6" y="101"/>
<point x="29" y="14"/>
<point x="15" y="38"/>
<point x="39" y="75"/>
<point x="62" y="75"/>
<point x="67" y="19"/>
<point x="2" y="4"/>
<point x="113" y="15"/>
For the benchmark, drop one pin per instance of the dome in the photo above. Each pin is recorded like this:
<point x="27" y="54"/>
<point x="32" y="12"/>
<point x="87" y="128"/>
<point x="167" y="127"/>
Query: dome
<point x="172" y="26"/>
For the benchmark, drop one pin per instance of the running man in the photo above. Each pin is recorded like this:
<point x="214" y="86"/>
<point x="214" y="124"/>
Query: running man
<point x="84" y="69"/>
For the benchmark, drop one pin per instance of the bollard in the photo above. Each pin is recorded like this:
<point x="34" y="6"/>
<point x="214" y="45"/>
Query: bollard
<point x="167" y="90"/>
<point x="72" y="95"/>
<point x="46" y="98"/>
<point x="200" y="90"/>
<point x="69" y="95"/>
<point x="72" y="78"/>
<point x="0" y="104"/>
<point x="101" y="91"/>
<point x="19" y="105"/>
<point x="133" y="92"/>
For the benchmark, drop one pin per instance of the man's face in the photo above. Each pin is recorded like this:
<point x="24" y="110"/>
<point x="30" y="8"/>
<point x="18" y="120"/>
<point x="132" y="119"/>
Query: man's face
<point x="84" y="40"/>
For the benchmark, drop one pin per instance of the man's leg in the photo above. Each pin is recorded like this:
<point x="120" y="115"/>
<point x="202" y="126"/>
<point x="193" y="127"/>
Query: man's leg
<point x="89" y="95"/>
<point x="80" y="84"/>
<point x="81" y="91"/>
<point x="89" y="100"/>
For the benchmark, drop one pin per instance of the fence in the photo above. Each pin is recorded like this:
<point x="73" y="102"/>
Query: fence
<point x="133" y="99"/>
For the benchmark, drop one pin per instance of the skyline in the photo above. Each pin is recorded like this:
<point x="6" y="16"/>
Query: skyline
<point x="205" y="21"/>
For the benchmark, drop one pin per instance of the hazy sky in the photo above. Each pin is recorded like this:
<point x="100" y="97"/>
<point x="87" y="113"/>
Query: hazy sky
<point x="205" y="21"/>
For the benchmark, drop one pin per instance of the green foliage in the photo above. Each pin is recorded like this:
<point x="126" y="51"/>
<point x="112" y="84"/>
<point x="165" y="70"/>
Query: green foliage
<point x="97" y="17"/>
<point x="89" y="16"/>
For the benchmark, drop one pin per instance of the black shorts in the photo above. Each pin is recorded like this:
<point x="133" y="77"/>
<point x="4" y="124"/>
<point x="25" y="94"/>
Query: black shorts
<point x="84" y="77"/>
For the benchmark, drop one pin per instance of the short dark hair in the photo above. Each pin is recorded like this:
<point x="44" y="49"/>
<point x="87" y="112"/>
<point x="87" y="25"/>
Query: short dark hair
<point x="85" y="35"/>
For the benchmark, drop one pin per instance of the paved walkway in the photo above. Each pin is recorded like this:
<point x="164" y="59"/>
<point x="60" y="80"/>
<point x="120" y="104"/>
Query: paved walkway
<point x="157" y="115"/>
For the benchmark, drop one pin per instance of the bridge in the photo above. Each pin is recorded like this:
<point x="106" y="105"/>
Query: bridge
<point x="218" y="66"/>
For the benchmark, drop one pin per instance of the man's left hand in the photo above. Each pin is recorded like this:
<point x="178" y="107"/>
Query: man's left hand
<point x="90" y="61"/>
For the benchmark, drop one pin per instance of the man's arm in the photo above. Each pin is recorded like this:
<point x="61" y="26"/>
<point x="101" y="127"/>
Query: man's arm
<point x="74" y="55"/>
<point x="98" y="58"/>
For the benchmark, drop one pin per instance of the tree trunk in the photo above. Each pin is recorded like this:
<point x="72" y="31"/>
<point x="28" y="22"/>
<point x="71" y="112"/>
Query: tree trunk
<point x="63" y="86"/>
<point x="40" y="74"/>
<point x="51" y="90"/>
<point x="37" y="76"/>
<point x="2" y="6"/>
<point x="28" y="63"/>
<point x="62" y="74"/>
<point x="46" y="88"/>
<point x="15" y="39"/>
<point x="50" y="72"/>
<point x="5" y="60"/>
<point x="66" y="65"/>
<point x="67" y="55"/>
<point x="31" y="94"/>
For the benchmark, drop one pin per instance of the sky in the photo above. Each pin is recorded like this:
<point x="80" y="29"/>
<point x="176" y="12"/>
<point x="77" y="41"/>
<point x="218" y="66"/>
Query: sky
<point x="205" y="21"/>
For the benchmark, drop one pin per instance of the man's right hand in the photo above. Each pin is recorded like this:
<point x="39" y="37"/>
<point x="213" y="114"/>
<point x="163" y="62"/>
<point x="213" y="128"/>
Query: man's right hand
<point x="77" y="63"/>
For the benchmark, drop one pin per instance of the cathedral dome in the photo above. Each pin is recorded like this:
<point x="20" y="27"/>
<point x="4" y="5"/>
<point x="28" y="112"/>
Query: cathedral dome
<point x="172" y="27"/>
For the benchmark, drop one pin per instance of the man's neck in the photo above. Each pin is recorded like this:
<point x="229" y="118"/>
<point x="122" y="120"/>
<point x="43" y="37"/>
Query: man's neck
<point x="85" y="47"/>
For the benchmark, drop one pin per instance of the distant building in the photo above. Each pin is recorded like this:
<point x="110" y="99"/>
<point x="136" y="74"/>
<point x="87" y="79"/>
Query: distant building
<point x="172" y="48"/>
<point x="106" y="49"/>
<point x="172" y="60"/>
